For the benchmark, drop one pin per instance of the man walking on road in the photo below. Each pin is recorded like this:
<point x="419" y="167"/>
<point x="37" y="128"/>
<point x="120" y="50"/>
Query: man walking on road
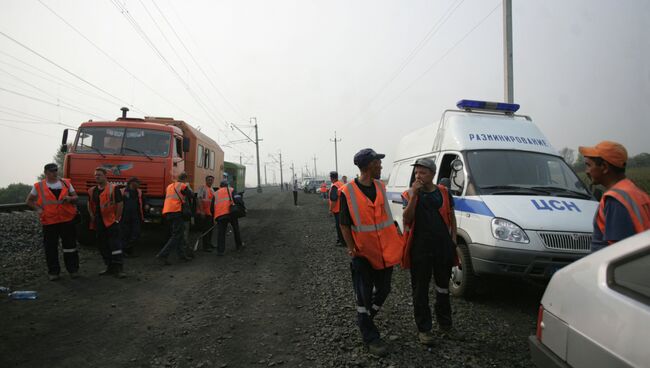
<point x="105" y="209"/>
<point x="335" y="204"/>
<point x="176" y="195"/>
<point x="429" y="247"/>
<point x="54" y="200"/>
<point x="205" y="197"/>
<point x="624" y="208"/>
<point x="373" y="242"/>
<point x="223" y="199"/>
<point x="295" y="192"/>
<point x="133" y="215"/>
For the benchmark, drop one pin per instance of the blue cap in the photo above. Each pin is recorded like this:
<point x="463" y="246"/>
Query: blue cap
<point x="367" y="155"/>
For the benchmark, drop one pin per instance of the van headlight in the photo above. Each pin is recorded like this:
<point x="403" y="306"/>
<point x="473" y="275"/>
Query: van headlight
<point x="508" y="231"/>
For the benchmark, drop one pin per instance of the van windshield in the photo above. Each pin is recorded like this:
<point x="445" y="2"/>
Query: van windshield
<point x="525" y="173"/>
<point x="123" y="141"/>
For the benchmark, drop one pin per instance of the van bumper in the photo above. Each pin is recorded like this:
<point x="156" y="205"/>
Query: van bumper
<point x="491" y="260"/>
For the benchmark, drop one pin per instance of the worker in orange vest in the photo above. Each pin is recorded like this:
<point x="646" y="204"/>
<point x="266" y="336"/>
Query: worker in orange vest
<point x="54" y="200"/>
<point x="335" y="204"/>
<point x="323" y="190"/>
<point x="204" y="209"/>
<point x="176" y="194"/>
<point x="105" y="209"/>
<point x="223" y="199"/>
<point x="430" y="237"/>
<point x="132" y="215"/>
<point x="624" y="208"/>
<point x="373" y="242"/>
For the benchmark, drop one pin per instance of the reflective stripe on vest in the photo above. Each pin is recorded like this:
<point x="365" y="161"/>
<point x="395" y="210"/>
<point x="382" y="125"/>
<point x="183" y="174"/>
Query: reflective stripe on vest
<point x="107" y="205"/>
<point x="222" y="202"/>
<point x="55" y="210"/>
<point x="361" y="228"/>
<point x="635" y="201"/>
<point x="174" y="198"/>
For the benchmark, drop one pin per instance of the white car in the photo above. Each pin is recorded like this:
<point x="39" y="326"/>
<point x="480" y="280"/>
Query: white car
<point x="596" y="311"/>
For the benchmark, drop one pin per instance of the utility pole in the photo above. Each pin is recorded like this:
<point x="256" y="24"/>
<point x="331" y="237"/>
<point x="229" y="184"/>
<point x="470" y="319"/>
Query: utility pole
<point x="336" y="154"/>
<point x="315" y="172"/>
<point x="256" y="142"/>
<point x="507" y="51"/>
<point x="265" y="181"/>
<point x="240" y="159"/>
<point x="293" y="174"/>
<point x="279" y="162"/>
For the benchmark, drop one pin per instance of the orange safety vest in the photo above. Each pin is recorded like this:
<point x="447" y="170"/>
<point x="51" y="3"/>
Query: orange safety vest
<point x="374" y="231"/>
<point x="54" y="210"/>
<point x="635" y="200"/>
<point x="124" y="194"/>
<point x="205" y="196"/>
<point x="107" y="205"/>
<point x="323" y="188"/>
<point x="335" y="206"/>
<point x="445" y="212"/>
<point x="222" y="202"/>
<point x="174" y="198"/>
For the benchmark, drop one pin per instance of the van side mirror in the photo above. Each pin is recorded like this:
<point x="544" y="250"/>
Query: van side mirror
<point x="457" y="165"/>
<point x="64" y="139"/>
<point x="186" y="144"/>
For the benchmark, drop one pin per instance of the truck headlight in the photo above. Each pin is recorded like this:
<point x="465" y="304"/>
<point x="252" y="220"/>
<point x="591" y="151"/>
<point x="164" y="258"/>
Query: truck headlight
<point x="508" y="231"/>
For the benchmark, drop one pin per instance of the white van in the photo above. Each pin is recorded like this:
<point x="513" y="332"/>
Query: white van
<point x="521" y="210"/>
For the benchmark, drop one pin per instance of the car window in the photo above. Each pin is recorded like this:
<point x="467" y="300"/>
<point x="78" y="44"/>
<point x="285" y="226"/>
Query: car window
<point x="630" y="276"/>
<point x="403" y="175"/>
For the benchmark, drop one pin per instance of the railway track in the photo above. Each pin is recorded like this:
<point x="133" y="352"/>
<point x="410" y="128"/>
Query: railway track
<point x="14" y="207"/>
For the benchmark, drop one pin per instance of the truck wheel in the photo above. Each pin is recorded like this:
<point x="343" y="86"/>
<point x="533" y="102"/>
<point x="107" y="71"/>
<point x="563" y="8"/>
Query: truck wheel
<point x="463" y="280"/>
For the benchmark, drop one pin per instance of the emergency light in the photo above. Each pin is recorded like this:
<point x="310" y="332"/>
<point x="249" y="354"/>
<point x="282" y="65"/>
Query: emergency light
<point x="486" y="105"/>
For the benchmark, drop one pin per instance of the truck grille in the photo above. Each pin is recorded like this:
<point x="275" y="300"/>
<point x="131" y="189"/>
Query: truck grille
<point x="580" y="242"/>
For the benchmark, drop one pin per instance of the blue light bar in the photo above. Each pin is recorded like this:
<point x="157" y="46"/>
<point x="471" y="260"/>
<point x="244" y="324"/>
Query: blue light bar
<point x="486" y="105"/>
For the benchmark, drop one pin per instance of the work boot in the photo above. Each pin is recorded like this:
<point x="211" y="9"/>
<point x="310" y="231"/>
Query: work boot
<point x="185" y="258"/>
<point x="426" y="338"/>
<point x="119" y="272"/>
<point x="377" y="348"/>
<point x="450" y="333"/>
<point x="107" y="271"/>
<point x="53" y="277"/>
<point x="207" y="249"/>
<point x="74" y="275"/>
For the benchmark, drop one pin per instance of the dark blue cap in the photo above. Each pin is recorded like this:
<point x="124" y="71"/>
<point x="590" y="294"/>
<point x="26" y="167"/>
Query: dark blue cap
<point x="365" y="156"/>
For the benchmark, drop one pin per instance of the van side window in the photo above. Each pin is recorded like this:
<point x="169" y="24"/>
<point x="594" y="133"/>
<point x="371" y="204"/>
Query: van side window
<point x="211" y="160"/>
<point x="206" y="158"/>
<point x="403" y="175"/>
<point x="447" y="176"/>
<point x="199" y="156"/>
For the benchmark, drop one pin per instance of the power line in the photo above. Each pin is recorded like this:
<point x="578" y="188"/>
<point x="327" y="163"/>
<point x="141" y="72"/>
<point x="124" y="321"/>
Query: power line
<point x="27" y="130"/>
<point x="107" y="55"/>
<point x="436" y="27"/>
<point x="51" y="103"/>
<point x="124" y="11"/>
<point x="21" y="114"/>
<point x="437" y="60"/>
<point x="62" y="68"/>
<point x="232" y="106"/>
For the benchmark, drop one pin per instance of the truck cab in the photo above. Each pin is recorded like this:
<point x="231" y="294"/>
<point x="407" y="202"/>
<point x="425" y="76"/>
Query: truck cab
<point x="520" y="209"/>
<point x="155" y="150"/>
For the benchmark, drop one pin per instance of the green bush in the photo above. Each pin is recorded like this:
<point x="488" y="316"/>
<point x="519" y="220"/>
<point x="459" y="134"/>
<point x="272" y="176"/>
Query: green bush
<point x="14" y="193"/>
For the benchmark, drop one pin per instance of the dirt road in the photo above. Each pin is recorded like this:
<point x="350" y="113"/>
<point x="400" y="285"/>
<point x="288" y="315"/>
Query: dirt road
<point x="284" y="300"/>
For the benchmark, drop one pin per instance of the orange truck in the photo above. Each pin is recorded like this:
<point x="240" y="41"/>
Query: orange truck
<point x="153" y="149"/>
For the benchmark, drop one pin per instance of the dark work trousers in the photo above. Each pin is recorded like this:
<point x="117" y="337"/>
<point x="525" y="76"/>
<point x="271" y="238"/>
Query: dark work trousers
<point x="371" y="288"/>
<point x="177" y="238"/>
<point x="110" y="244"/>
<point x="67" y="233"/>
<point x="295" y="198"/>
<point x="339" y="235"/>
<point x="130" y="228"/>
<point x="207" y="223"/>
<point x="222" y="227"/>
<point x="425" y="263"/>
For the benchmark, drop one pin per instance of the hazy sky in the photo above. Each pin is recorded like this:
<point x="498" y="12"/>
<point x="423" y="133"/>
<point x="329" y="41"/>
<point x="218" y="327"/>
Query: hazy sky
<point x="371" y="70"/>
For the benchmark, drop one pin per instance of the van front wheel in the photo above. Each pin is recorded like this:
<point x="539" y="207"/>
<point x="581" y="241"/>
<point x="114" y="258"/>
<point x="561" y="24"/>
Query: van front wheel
<point x="463" y="280"/>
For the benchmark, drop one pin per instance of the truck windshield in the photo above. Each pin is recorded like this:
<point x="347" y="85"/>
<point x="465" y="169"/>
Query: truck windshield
<point x="526" y="173"/>
<point x="123" y="141"/>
